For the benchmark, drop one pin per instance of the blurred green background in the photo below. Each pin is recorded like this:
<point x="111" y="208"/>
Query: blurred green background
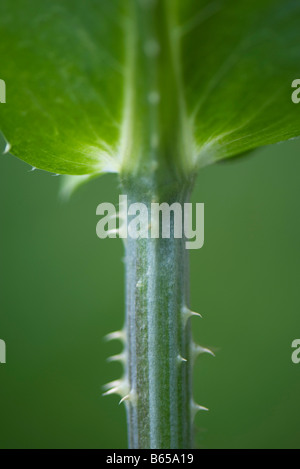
<point x="62" y="290"/>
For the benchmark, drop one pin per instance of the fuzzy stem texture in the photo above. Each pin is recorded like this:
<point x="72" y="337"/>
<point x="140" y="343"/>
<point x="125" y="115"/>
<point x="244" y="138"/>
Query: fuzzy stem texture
<point x="158" y="346"/>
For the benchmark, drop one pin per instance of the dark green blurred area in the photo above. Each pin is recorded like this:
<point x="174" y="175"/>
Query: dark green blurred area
<point x="62" y="290"/>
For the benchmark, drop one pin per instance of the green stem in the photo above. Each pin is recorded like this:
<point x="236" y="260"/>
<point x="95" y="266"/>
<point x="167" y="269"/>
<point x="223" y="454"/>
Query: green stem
<point x="156" y="167"/>
<point x="159" y="365"/>
<point x="156" y="133"/>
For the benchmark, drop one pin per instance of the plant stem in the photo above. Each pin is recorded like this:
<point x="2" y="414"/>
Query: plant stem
<point x="158" y="346"/>
<point x="157" y="151"/>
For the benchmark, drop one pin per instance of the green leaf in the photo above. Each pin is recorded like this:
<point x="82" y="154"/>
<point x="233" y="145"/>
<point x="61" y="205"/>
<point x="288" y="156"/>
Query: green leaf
<point x="239" y="59"/>
<point x="105" y="86"/>
<point x="63" y="64"/>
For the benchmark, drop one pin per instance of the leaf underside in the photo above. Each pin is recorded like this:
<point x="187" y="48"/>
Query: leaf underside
<point x="65" y="66"/>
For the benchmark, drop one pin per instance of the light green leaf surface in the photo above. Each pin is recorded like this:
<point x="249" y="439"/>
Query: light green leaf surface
<point x="82" y="78"/>
<point x="239" y="61"/>
<point x="63" y="64"/>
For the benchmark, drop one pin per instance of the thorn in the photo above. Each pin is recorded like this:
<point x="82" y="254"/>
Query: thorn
<point x="32" y="169"/>
<point x="121" y="357"/>
<point x="196" y="314"/>
<point x="198" y="350"/>
<point x="187" y="314"/>
<point x="195" y="408"/>
<point x="112" y="384"/>
<point x="117" y="335"/>
<point x="125" y="398"/>
<point x="7" y="148"/>
<point x="56" y="175"/>
<point x="120" y="387"/>
<point x="201" y="408"/>
<point x="131" y="396"/>
<point x="181" y="359"/>
<point x="111" y="391"/>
